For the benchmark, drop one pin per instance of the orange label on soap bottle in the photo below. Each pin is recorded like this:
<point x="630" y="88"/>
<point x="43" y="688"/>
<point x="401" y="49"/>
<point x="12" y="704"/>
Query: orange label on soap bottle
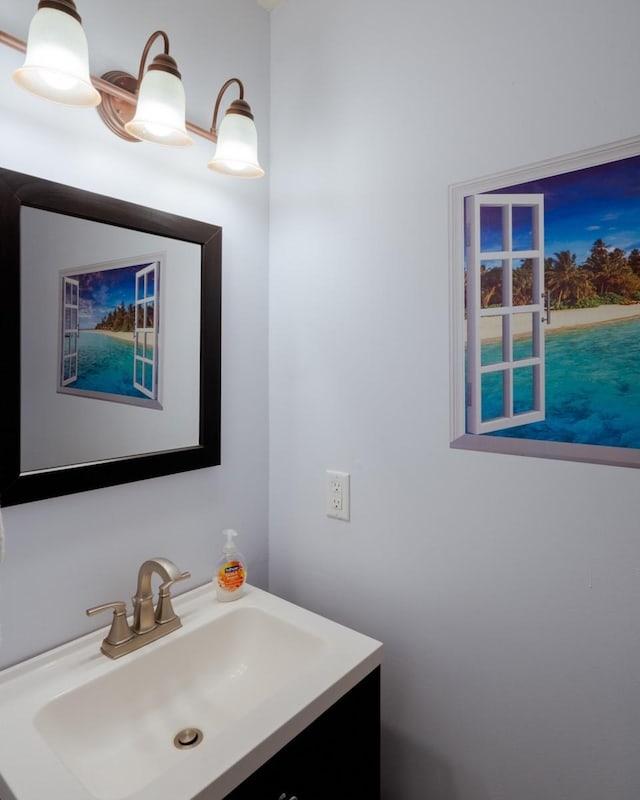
<point x="231" y="576"/>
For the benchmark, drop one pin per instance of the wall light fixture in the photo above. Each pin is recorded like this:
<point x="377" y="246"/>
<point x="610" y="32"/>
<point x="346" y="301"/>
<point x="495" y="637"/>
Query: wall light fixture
<point x="57" y="62"/>
<point x="160" y="110"/>
<point x="150" y="108"/>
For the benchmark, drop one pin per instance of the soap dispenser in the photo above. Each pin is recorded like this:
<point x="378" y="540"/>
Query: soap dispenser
<point x="231" y="571"/>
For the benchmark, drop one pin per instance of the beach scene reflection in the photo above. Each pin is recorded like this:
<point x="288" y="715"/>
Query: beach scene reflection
<point x="105" y="363"/>
<point x="109" y="332"/>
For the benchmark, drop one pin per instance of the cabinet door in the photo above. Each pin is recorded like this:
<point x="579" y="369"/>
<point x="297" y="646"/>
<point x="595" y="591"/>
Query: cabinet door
<point x="337" y="756"/>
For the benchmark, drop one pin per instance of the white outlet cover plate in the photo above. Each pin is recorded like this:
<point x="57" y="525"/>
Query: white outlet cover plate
<point x="338" y="495"/>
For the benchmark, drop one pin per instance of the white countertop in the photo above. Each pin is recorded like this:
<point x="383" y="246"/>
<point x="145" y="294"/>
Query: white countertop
<point x="31" y="770"/>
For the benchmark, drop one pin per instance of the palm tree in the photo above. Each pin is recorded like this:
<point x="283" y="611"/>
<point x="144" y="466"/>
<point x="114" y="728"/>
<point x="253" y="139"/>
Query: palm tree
<point x="634" y="261"/>
<point x="611" y="270"/>
<point x="567" y="282"/>
<point x="490" y="286"/>
<point x="622" y="279"/>
<point x="522" y="284"/>
<point x="597" y="263"/>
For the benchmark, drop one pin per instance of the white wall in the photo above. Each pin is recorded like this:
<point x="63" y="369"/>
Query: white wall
<point x="66" y="554"/>
<point x="506" y="589"/>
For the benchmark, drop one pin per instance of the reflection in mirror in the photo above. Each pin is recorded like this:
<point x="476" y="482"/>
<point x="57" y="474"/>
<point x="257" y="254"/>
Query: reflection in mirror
<point x="115" y="339"/>
<point x="105" y="355"/>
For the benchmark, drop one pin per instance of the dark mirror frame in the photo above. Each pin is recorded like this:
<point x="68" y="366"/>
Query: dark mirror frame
<point x="17" y="190"/>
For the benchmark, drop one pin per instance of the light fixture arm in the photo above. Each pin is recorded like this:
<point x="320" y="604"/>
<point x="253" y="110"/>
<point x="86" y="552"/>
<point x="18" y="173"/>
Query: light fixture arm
<point x="165" y="61"/>
<point x="239" y="106"/>
<point x="13" y="41"/>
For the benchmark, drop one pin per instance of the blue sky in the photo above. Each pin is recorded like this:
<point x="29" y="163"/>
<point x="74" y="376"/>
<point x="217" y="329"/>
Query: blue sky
<point x="103" y="290"/>
<point x="601" y="202"/>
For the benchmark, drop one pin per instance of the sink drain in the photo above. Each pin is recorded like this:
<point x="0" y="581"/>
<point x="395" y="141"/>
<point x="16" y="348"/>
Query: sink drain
<point x="188" y="737"/>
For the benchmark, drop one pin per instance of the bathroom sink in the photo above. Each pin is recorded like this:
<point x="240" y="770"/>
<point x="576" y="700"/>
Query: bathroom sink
<point x="116" y="732"/>
<point x="234" y="685"/>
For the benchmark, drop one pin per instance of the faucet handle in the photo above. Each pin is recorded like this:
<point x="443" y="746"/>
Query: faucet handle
<point x="164" y="587"/>
<point x="120" y="631"/>
<point x="164" y="608"/>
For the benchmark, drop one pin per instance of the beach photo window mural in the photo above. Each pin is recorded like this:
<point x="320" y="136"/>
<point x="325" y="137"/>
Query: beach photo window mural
<point x="109" y="331"/>
<point x="546" y="309"/>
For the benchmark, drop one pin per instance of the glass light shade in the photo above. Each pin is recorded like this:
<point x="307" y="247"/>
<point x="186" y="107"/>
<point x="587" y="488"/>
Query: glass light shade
<point x="57" y="62"/>
<point x="160" y="112"/>
<point x="237" y="148"/>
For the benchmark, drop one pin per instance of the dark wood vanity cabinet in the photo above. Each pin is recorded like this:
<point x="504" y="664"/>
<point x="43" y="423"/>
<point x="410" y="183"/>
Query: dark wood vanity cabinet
<point x="337" y="756"/>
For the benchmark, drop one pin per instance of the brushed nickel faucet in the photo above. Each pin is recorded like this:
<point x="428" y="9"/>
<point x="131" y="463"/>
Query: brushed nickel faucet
<point x="149" y="622"/>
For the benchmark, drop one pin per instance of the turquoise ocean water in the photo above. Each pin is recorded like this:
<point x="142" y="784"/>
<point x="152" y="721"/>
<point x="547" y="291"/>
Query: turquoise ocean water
<point x="592" y="387"/>
<point x="105" y="364"/>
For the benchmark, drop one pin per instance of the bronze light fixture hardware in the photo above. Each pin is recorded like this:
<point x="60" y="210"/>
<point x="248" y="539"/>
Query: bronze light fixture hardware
<point x="119" y="99"/>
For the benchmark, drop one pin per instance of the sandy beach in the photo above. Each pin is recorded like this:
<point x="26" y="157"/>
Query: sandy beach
<point x="124" y="336"/>
<point x="491" y="327"/>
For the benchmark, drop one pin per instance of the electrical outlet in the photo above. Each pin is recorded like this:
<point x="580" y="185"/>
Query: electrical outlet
<point x="338" y="491"/>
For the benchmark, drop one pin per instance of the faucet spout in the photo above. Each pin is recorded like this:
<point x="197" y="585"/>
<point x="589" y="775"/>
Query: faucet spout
<point x="149" y="623"/>
<point x="144" y="617"/>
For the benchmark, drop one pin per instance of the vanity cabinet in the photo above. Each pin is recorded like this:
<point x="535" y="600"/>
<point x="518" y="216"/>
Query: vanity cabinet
<point x="336" y="757"/>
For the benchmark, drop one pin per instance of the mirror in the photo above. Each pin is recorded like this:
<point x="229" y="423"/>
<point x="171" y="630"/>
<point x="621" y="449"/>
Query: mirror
<point x="111" y="338"/>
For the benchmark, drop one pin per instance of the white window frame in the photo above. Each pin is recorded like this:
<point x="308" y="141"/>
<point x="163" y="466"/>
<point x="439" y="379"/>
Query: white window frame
<point x="67" y="333"/>
<point x="143" y="297"/>
<point x="507" y="312"/>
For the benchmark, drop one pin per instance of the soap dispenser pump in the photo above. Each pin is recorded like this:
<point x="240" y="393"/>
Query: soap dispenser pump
<point x="231" y="571"/>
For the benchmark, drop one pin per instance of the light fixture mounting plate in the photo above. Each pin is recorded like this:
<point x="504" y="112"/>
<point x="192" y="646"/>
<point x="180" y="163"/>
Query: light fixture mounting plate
<point x="113" y="111"/>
